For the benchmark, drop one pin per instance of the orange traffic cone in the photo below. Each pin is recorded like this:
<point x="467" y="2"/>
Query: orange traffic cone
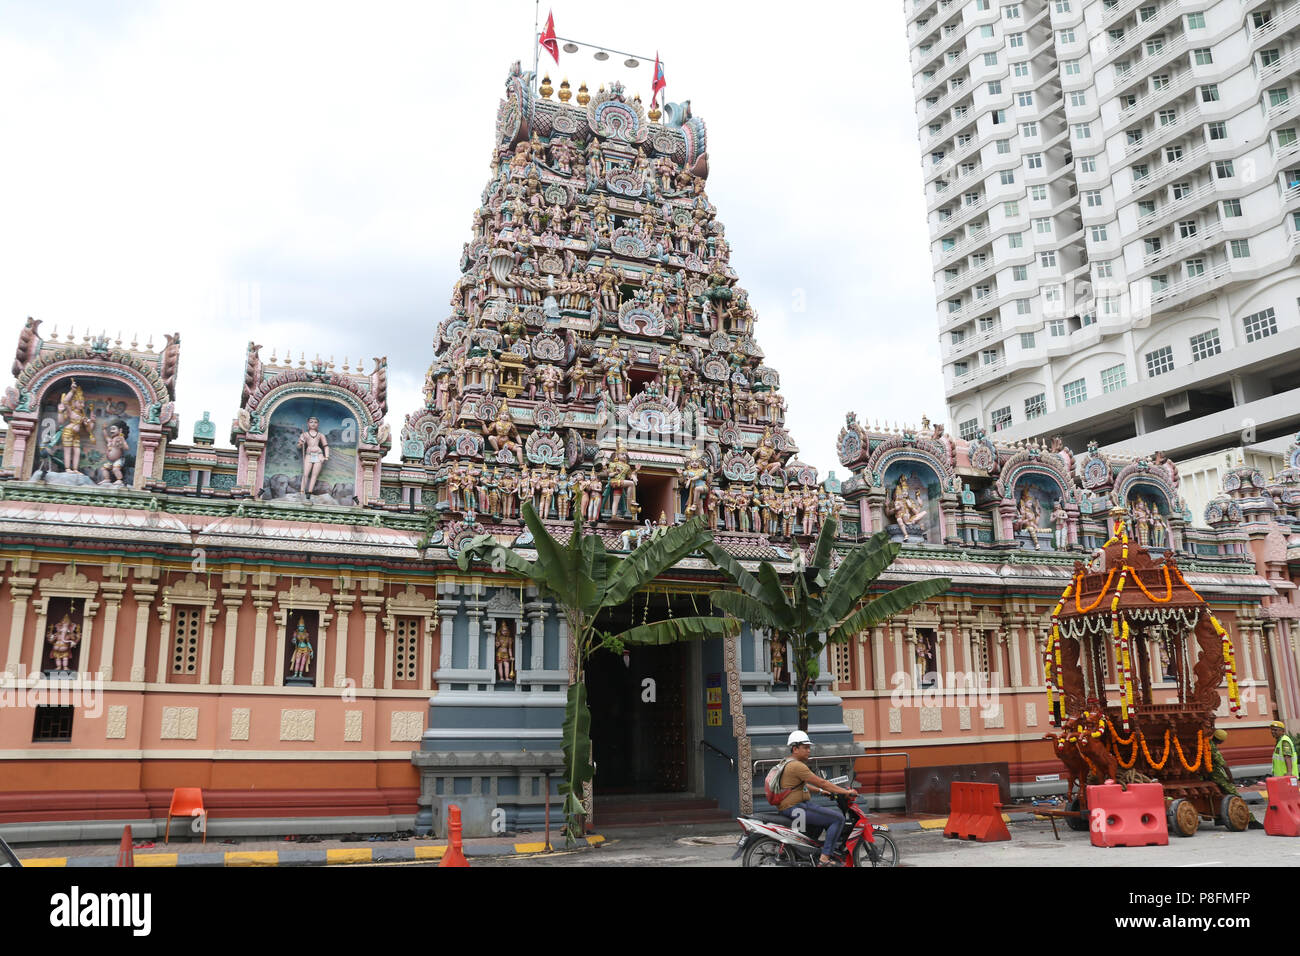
<point x="125" y="852"/>
<point x="455" y="855"/>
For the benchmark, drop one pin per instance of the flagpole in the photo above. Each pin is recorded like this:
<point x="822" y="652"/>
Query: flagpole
<point x="537" y="42"/>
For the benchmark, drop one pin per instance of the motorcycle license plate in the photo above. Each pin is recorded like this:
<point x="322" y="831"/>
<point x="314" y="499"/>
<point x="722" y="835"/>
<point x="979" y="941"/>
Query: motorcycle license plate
<point x="740" y="846"/>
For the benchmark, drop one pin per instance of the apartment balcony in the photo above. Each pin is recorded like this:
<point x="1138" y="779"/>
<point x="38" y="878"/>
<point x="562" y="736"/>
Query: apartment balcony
<point x="944" y="194"/>
<point x="1149" y="64"/>
<point x="1282" y="23"/>
<point x="975" y="376"/>
<point x="1150" y="102"/>
<point x="1284" y="67"/>
<point x="1282" y="112"/>
<point x="1141" y="32"/>
<point x="1198" y="197"/>
<point x="1186" y="247"/>
<point x="961" y="92"/>
<point x="964" y="278"/>
<point x="1290" y="194"/>
<point x="1120" y="11"/>
<point x="941" y="76"/>
<point x="1190" y="160"/>
<point x="1163" y="134"/>
<point x="942" y="47"/>
<point x="919" y="7"/>
<point x="965" y="247"/>
<point x="980" y="339"/>
<point x="966" y="214"/>
<point x="954" y="161"/>
<point x="1213" y="276"/>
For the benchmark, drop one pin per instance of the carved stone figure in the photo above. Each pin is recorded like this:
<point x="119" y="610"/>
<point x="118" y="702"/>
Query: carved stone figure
<point x="63" y="638"/>
<point x="505" y="653"/>
<point x="1029" y="514"/>
<point x="502" y="433"/>
<point x="74" y="418"/>
<point x="620" y="475"/>
<point x="908" y="509"/>
<point x="116" y="433"/>
<point x="315" y="448"/>
<point x="303" y="653"/>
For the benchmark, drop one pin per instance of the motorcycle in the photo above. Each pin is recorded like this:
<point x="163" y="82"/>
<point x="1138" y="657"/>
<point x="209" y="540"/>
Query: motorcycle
<point x="770" y="839"/>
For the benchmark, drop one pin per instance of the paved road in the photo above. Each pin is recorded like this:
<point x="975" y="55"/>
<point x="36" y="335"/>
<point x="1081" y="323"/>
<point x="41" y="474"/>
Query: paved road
<point x="1031" y="844"/>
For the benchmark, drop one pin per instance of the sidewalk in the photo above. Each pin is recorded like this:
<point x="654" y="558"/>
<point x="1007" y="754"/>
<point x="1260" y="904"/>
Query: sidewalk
<point x="255" y="852"/>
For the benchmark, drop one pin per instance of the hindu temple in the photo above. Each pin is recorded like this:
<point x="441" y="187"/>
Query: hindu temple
<point x="280" y="620"/>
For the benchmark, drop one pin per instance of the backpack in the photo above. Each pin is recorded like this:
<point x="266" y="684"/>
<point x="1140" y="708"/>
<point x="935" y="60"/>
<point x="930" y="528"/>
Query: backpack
<point x="773" y="780"/>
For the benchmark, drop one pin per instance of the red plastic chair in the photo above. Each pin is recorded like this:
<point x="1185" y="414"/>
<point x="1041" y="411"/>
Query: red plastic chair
<point x="186" y="802"/>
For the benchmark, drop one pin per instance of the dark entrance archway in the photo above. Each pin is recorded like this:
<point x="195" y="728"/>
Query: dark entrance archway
<point x="639" y="725"/>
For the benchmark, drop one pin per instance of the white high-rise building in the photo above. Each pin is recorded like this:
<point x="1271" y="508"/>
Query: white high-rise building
<point x="1113" y="189"/>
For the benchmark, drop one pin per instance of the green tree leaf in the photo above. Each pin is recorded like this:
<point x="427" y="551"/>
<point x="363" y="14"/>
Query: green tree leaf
<point x="889" y="604"/>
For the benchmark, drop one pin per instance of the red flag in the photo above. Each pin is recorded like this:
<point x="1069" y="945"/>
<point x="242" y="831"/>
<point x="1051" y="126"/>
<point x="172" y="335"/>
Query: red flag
<point x="547" y="39"/>
<point x="658" y="83"/>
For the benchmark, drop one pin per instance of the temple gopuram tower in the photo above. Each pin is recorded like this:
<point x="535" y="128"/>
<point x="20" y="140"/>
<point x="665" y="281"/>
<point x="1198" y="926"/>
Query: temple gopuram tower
<point x="599" y="357"/>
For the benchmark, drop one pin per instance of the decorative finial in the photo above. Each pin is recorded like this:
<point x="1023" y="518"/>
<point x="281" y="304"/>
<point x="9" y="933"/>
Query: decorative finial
<point x="546" y="89"/>
<point x="118" y="341"/>
<point x="135" y="341"/>
<point x="583" y="96"/>
<point x="149" y="345"/>
<point x="654" y="114"/>
<point x="565" y="92"/>
<point x="302" y="359"/>
<point x="345" y="363"/>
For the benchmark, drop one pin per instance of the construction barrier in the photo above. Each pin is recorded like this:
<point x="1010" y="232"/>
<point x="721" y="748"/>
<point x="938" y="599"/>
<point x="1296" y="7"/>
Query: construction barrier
<point x="125" y="849"/>
<point x="975" y="813"/>
<point x="1132" y="817"/>
<point x="455" y="855"/>
<point x="1283" y="815"/>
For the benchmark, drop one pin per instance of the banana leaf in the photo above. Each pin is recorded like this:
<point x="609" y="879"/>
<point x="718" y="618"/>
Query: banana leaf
<point x="678" y="629"/>
<point x="887" y="605"/>
<point x="652" y="558"/>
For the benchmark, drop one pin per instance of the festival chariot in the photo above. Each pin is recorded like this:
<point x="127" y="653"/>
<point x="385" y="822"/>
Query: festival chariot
<point x="1126" y="612"/>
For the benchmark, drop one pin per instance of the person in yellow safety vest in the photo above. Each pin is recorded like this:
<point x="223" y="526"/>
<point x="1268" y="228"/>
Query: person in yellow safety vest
<point x="1284" y="755"/>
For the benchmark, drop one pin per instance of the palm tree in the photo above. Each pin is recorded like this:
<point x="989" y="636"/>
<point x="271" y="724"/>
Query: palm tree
<point x="817" y="612"/>
<point x="583" y="580"/>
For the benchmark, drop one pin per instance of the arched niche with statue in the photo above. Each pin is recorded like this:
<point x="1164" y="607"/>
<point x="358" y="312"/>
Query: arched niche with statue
<point x="1038" y="502"/>
<point x="92" y="415"/>
<point x="909" y="490"/>
<point x="311" y="435"/>
<point x="1154" y="507"/>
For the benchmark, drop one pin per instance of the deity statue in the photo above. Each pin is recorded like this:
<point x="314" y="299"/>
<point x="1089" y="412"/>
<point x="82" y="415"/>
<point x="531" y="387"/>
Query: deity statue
<point x="620" y="476"/>
<point x="696" y="477"/>
<point x="766" y="456"/>
<point x="711" y="502"/>
<point x="908" y="509"/>
<point x="730" y="506"/>
<point x="1029" y="514"/>
<point x="607" y="281"/>
<point x="502" y="433"/>
<point x="755" y="508"/>
<point x="116" y="433"/>
<point x="513" y="329"/>
<point x="776" y="650"/>
<point x="63" y="637"/>
<point x="74" y="418"/>
<point x="303" y="653"/>
<point x="578" y="380"/>
<point x="315" y="449"/>
<point x="1061" y="526"/>
<point x="1141" y="519"/>
<point x="508" y="486"/>
<point x="613" y="361"/>
<point x="811" y="510"/>
<point x="527" y="487"/>
<point x="505" y="653"/>
<point x="549" y="377"/>
<point x="563" y="493"/>
<point x="546" y="486"/>
<point x="492" y="485"/>
<point x="671" y="369"/>
<point x="591" y="487"/>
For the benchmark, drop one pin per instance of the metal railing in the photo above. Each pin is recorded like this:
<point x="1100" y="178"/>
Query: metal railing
<point x="706" y="746"/>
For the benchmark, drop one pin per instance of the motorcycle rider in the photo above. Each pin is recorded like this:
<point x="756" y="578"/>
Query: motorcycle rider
<point x="796" y="804"/>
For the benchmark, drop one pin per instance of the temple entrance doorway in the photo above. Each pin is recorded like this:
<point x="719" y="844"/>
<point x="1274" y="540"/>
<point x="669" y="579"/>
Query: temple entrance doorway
<point x="639" y="720"/>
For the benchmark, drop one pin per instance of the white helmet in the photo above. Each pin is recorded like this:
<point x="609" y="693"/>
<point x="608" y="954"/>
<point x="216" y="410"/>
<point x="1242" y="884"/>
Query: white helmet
<point x="797" y="737"/>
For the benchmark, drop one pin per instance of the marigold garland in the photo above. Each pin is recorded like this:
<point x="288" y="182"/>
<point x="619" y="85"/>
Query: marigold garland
<point x="1200" y="747"/>
<point x="1147" y="753"/>
<point x="1169" y="586"/>
<point x="1132" y="756"/>
<point x="1093" y="606"/>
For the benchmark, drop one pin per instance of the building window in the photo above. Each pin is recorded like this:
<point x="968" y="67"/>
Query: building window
<point x="1231" y="208"/>
<point x="1218" y="131"/>
<point x="990" y="59"/>
<point x="1062" y="6"/>
<point x="1105" y="269"/>
<point x="1167" y="117"/>
<point x="1098" y="233"/>
<point x="1241" y="248"/>
<point x="1160" y="361"/>
<point x="1029" y="130"/>
<point x="1038" y="193"/>
<point x="1065" y="36"/>
<point x="1015" y="240"/>
<point x="1203" y="56"/>
<point x="1008" y="177"/>
<point x="1020" y="70"/>
<point x="1261" y="18"/>
<point x="1153" y="244"/>
<point x="52" y="725"/>
<point x="1076" y="392"/>
<point x="1016" y="40"/>
<point x="1268" y="57"/>
<point x="969" y="428"/>
<point x="1048" y="259"/>
<point x="1205" y="345"/>
<point x="1286" y="137"/>
<point x="1079" y="98"/>
<point x="1000" y="418"/>
<point x="960" y="368"/>
<point x="1056" y="328"/>
<point x="1114" y="378"/>
<point x="1180" y="190"/>
<point x="1070" y="67"/>
<point x="1088" y="164"/>
<point x="1140" y="172"/>
<point x="1210" y="94"/>
<point x="1196" y="21"/>
<point x="1187" y="229"/>
<point x="1024" y="99"/>
<point x="988" y="356"/>
<point x="1036" y="405"/>
<point x="986" y="31"/>
<point x="1278" y="96"/>
<point x="1043" y="226"/>
<point x="1026" y="340"/>
<point x="1223" y="169"/>
<point x="1020" y="273"/>
<point x="1003" y="147"/>
<point x="1083" y="131"/>
<point x="1260" y="325"/>
<point x="1011" y="12"/>
<point x="185" y="640"/>
<point x="958" y="336"/>
<point x="1194" y="268"/>
<point x="995" y="87"/>
<point x="406" y="649"/>
<point x="1024" y="306"/>
<point x="986" y="323"/>
<point x="1092" y="197"/>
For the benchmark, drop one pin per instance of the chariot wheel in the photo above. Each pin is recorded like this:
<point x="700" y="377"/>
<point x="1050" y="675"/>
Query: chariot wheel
<point x="1183" y="818"/>
<point x="1077" y="824"/>
<point x="1234" y="814"/>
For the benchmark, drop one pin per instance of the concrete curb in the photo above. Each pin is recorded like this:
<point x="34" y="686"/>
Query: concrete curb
<point x="321" y="857"/>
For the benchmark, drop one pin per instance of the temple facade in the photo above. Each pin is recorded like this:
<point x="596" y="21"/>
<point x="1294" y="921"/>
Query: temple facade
<point x="281" y="621"/>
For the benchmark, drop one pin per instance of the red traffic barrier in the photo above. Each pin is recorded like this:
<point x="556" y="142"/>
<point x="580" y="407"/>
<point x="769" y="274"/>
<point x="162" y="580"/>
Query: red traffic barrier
<point x="125" y="852"/>
<point x="1133" y="817"/>
<point x="455" y="855"/>
<point x="1283" y="815"/>
<point x="975" y="813"/>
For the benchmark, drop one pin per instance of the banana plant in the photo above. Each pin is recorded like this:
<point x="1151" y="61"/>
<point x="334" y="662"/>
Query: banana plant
<point x="821" y="608"/>
<point x="583" y="579"/>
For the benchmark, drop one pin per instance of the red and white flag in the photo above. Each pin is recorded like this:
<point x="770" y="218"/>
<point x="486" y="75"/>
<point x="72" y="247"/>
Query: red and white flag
<point x="547" y="39"/>
<point x="658" y="82"/>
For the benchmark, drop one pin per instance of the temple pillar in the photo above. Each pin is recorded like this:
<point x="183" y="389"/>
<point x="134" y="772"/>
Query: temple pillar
<point x="20" y="433"/>
<point x="371" y="604"/>
<point x="144" y="595"/>
<point x="233" y="600"/>
<point x="21" y="591"/>
<point x="109" y="644"/>
<point x="262" y="604"/>
<point x="38" y="644"/>
<point x="877" y="658"/>
<point x="209" y="618"/>
<point x="343" y="603"/>
<point x="1014" y="636"/>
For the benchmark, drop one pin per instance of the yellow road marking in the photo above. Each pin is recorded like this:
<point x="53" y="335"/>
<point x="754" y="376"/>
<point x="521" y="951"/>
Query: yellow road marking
<point x="252" y="858"/>
<point x="349" y="855"/>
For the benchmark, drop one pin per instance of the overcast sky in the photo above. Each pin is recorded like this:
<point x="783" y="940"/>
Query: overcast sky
<point x="303" y="175"/>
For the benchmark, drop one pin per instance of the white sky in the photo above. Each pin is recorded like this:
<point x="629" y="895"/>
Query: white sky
<point x="303" y="175"/>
